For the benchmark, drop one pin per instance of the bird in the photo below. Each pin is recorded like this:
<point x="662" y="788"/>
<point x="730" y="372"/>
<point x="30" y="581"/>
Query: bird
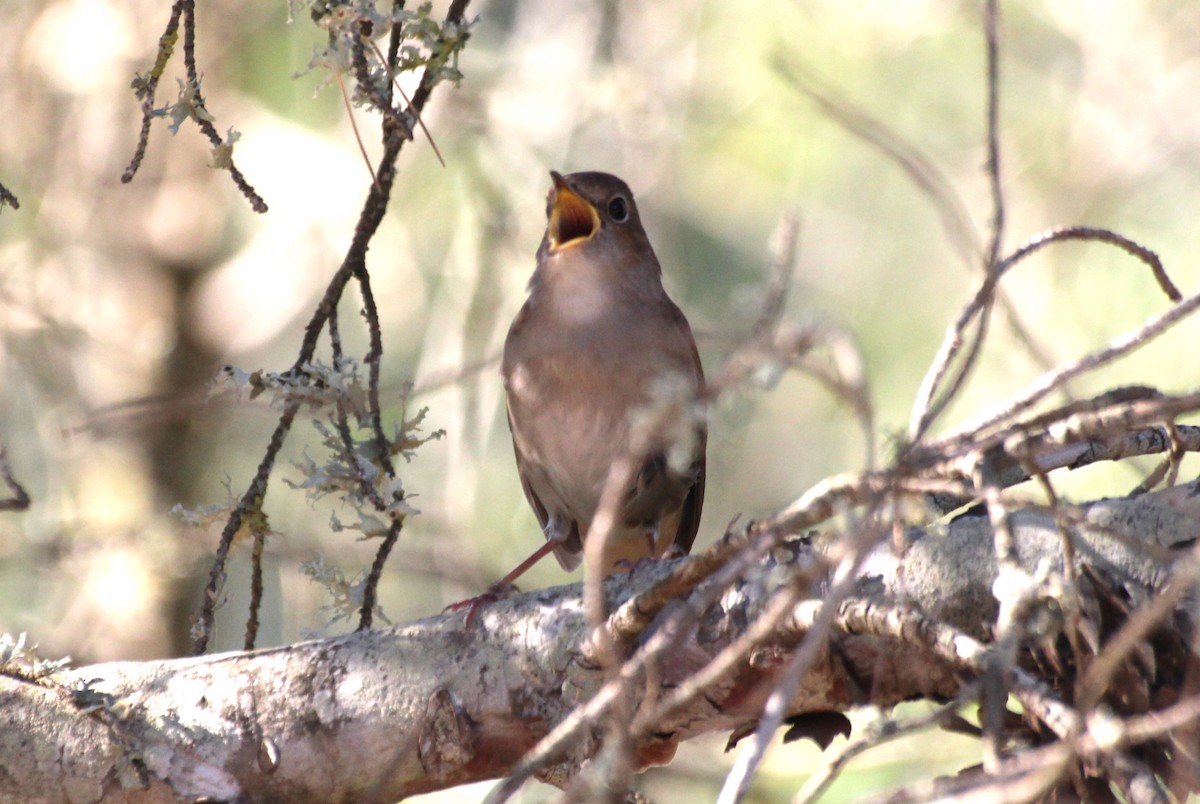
<point x="601" y="369"/>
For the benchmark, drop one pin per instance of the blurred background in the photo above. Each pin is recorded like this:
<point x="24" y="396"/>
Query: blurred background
<point x="120" y="302"/>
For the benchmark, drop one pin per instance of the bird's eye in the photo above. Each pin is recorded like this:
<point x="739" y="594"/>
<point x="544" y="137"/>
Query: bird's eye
<point x="618" y="209"/>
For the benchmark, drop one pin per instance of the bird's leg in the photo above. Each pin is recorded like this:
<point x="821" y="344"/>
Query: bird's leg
<point x="672" y="552"/>
<point x="503" y="587"/>
<point x="519" y="570"/>
<point x="652" y="538"/>
<point x="651" y="557"/>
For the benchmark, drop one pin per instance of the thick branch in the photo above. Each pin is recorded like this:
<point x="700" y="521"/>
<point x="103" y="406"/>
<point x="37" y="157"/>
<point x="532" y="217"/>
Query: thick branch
<point x="382" y="714"/>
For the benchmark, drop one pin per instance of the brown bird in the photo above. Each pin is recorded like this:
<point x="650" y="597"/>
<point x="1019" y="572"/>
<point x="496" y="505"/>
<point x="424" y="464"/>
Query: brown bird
<point x="600" y="367"/>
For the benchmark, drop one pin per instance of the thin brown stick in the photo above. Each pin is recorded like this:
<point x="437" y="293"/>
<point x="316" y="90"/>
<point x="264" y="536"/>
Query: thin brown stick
<point x="8" y="199"/>
<point x="991" y="32"/>
<point x="415" y="112"/>
<point x="362" y="148"/>
<point x="1116" y="348"/>
<point x="874" y="736"/>
<point x="920" y="169"/>
<point x="925" y="410"/>
<point x="19" y="501"/>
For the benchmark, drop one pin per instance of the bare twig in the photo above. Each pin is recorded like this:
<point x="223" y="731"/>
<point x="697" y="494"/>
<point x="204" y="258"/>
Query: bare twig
<point x="19" y="501"/>
<point x="926" y="410"/>
<point x="387" y="65"/>
<point x="920" y="169"/>
<point x="1099" y="235"/>
<point x="249" y="506"/>
<point x="362" y="148"/>
<point x="256" y="588"/>
<point x="991" y="32"/>
<point x="737" y="783"/>
<point x="1117" y="348"/>
<point x="191" y="102"/>
<point x="876" y="735"/>
<point x="7" y="198"/>
<point x="784" y="248"/>
<point x="1023" y="777"/>
<point x="146" y="87"/>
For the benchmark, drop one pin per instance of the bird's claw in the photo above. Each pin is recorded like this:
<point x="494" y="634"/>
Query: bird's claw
<point x="494" y="594"/>
<point x="673" y="552"/>
<point x="625" y="565"/>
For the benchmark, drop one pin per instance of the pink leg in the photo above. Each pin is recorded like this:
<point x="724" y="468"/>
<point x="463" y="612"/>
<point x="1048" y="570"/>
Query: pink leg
<point x="503" y="587"/>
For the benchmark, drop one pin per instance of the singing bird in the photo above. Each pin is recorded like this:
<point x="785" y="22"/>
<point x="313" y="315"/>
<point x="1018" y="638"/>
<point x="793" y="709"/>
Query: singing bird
<point x="600" y="367"/>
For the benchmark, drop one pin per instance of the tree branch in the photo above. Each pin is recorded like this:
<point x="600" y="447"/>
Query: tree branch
<point x="382" y="714"/>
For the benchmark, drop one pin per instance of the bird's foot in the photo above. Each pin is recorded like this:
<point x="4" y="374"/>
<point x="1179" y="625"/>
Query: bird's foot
<point x="625" y="565"/>
<point x="494" y="594"/>
<point x="673" y="552"/>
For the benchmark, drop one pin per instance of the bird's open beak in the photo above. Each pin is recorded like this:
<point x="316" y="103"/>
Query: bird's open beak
<point x="572" y="219"/>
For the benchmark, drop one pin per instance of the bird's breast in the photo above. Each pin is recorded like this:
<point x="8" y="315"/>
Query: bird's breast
<point x="589" y="303"/>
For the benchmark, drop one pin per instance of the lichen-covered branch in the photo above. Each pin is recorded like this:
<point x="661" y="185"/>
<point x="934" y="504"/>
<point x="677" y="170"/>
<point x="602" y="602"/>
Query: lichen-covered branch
<point x="386" y="713"/>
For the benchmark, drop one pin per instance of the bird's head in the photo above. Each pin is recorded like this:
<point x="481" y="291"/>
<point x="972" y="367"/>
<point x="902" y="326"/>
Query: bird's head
<point x="586" y="207"/>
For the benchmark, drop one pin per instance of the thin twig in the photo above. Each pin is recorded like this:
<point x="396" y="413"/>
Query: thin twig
<point x="1117" y="348"/>
<point x="248" y="506"/>
<point x="925" y="410"/>
<point x="1099" y="235"/>
<point x="784" y="248"/>
<point x="146" y="88"/>
<point x="203" y="121"/>
<point x="844" y="580"/>
<point x="374" y="209"/>
<point x="387" y="65"/>
<point x="7" y="198"/>
<point x="19" y="501"/>
<point x="991" y="31"/>
<point x="920" y="169"/>
<point x="876" y="735"/>
<point x="362" y="148"/>
<point x="256" y="588"/>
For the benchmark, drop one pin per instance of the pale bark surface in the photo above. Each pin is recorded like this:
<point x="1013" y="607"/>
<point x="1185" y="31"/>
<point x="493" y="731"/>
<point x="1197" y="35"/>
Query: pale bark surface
<point x="381" y="714"/>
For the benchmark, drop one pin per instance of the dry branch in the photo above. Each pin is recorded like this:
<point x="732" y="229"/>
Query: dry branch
<point x="386" y="713"/>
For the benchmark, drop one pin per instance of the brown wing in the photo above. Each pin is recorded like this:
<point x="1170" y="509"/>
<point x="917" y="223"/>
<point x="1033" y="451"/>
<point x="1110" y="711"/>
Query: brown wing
<point x="689" y="518"/>
<point x="539" y="510"/>
<point x="569" y="552"/>
<point x="689" y="515"/>
<point x="523" y="461"/>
